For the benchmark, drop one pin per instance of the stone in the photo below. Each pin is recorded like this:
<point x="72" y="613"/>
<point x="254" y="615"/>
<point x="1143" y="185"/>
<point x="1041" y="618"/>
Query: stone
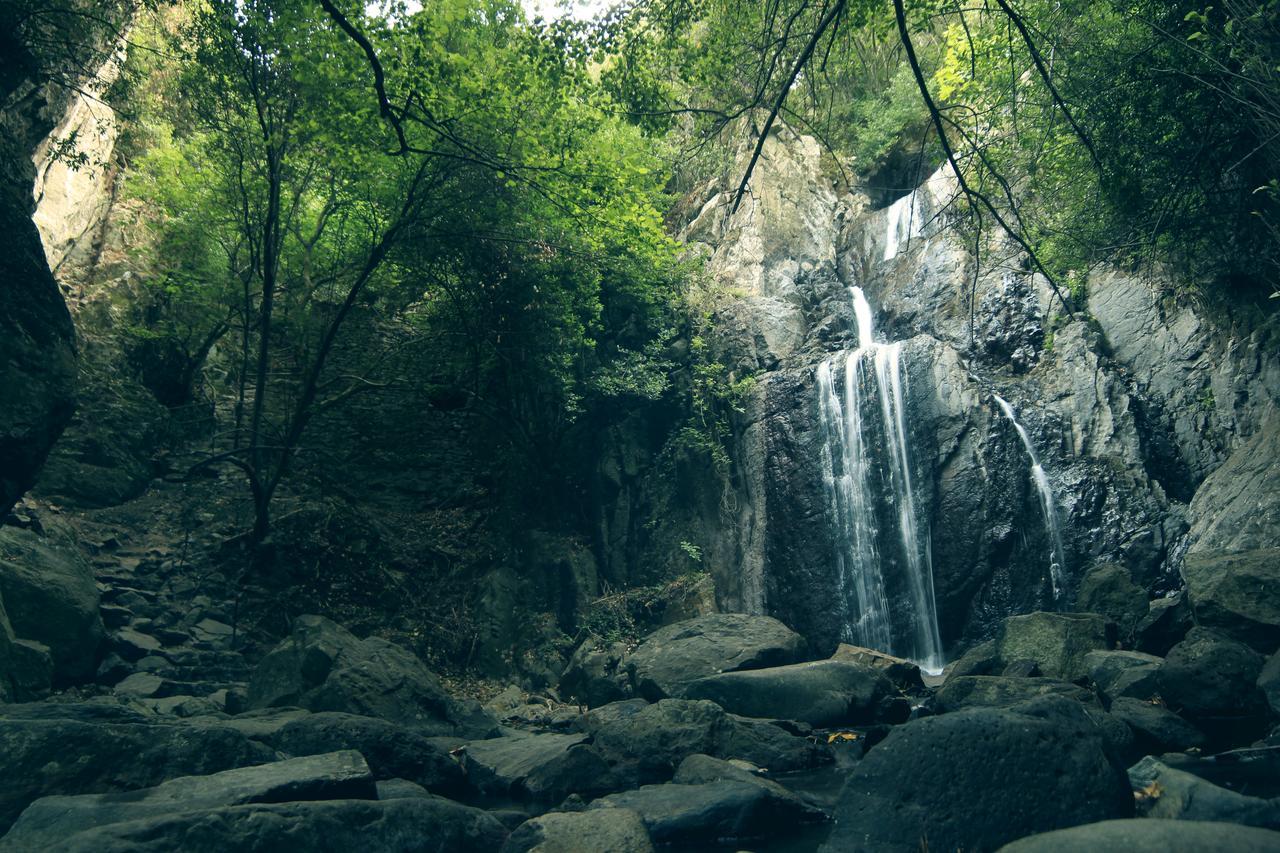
<point x="1237" y="594"/>
<point x="1108" y="589"/>
<point x="594" y="674"/>
<point x="1149" y="836"/>
<point x="1166" y="623"/>
<point x="672" y="657"/>
<point x="903" y="673"/>
<point x="1167" y="793"/>
<point x="597" y="831"/>
<point x="1211" y="680"/>
<point x="31" y="672"/>
<point x="1057" y="642"/>
<point x="140" y="685"/>
<point x="323" y="667"/>
<point x="42" y="754"/>
<point x="1269" y="683"/>
<point x="821" y="693"/>
<point x="391" y="751"/>
<point x="996" y="691"/>
<point x="699" y="769"/>
<point x="51" y="597"/>
<point x="213" y="632"/>
<point x="1120" y="673"/>
<point x="335" y="776"/>
<point x="726" y="809"/>
<point x="977" y="779"/>
<point x="501" y="766"/>
<point x="133" y="645"/>
<point x="404" y="825"/>
<point x="1156" y="729"/>
<point x="402" y="789"/>
<point x="1237" y="507"/>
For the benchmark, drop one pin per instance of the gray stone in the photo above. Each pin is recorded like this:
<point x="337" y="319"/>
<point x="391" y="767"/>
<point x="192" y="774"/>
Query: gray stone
<point x="1156" y="729"/>
<point x="31" y="670"/>
<point x="1109" y="589"/>
<point x="673" y="657"/>
<point x="1165" y="792"/>
<point x="133" y="645"/>
<point x="597" y="831"/>
<point x="1166" y="623"/>
<point x="824" y="693"/>
<point x="995" y="691"/>
<point x="338" y="775"/>
<point x="1057" y="642"/>
<point x="1237" y="594"/>
<point x="1237" y="507"/>
<point x="503" y="765"/>
<point x="903" y="673"/>
<point x="594" y="675"/>
<point x="1211" y="680"/>
<point x="1149" y="836"/>
<point x="1269" y="683"/>
<point x="1121" y="673"/>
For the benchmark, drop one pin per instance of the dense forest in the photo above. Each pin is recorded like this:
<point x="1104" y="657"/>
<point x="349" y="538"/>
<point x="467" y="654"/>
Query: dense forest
<point x="672" y="424"/>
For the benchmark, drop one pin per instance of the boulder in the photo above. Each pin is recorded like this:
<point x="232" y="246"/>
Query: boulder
<point x="1237" y="594"/>
<point x="824" y="693"/>
<point x="903" y="673"/>
<point x="1254" y="771"/>
<point x="391" y="751"/>
<point x="712" y="812"/>
<point x="699" y="769"/>
<point x="1057" y="642"/>
<point x="976" y="779"/>
<point x="30" y="669"/>
<point x="996" y="691"/>
<point x="1166" y="623"/>
<point x="673" y="657"/>
<point x="51" y="597"/>
<point x="1164" y="792"/>
<point x="594" y="674"/>
<point x="337" y="775"/>
<point x="1149" y="836"/>
<point x="42" y="754"/>
<point x="540" y="767"/>
<point x="1156" y="729"/>
<point x="1269" y="683"/>
<point x="404" y="825"/>
<point x="323" y="667"/>
<point x="1108" y="589"/>
<point x="1121" y="673"/>
<point x="595" y="831"/>
<point x="1211" y="680"/>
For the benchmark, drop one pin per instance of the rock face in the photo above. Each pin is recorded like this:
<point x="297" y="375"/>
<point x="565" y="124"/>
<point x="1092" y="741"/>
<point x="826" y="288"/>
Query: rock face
<point x="673" y="657"/>
<point x="1006" y="775"/>
<point x="323" y="667"/>
<point x="820" y="693"/>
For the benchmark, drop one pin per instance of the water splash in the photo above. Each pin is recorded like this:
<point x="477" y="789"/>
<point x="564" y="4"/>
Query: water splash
<point x="905" y="222"/>
<point x="1057" y="559"/>
<point x="848" y="423"/>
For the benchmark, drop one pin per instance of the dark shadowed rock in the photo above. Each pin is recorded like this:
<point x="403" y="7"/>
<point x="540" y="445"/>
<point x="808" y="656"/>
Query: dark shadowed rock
<point x="1156" y="729"/>
<point x="323" y="667"/>
<point x="821" y="693"/>
<point x="677" y="655"/>
<point x="903" y="673"/>
<point x="594" y="674"/>
<point x="392" y="751"/>
<point x="1269" y="683"/>
<point x="1150" y="836"/>
<point x="1211" y="680"/>
<point x="542" y="767"/>
<point x="1121" y="673"/>
<point x="1108" y="589"/>
<point x="1166" y="623"/>
<point x="1237" y="594"/>
<point x="594" y="831"/>
<point x="997" y="691"/>
<point x="408" y="825"/>
<point x="337" y="775"/>
<point x="1164" y="792"/>
<point x="976" y="779"/>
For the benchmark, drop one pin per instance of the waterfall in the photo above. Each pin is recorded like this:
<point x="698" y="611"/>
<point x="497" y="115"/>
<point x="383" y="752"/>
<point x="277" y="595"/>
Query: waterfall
<point x="1057" y="557"/>
<point x="866" y="579"/>
<point x="905" y="222"/>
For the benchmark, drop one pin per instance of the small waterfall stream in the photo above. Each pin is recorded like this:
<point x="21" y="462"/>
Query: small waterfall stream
<point x="905" y="223"/>
<point x="857" y="388"/>
<point x="1057" y="559"/>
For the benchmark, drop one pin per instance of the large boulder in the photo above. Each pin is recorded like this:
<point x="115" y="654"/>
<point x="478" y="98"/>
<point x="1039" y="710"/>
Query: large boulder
<point x="1166" y="792"/>
<point x="1269" y="683"/>
<point x="1156" y="729"/>
<point x="1211" y="680"/>
<point x="335" y="776"/>
<point x="92" y="752"/>
<point x="976" y="779"/>
<point x="1057" y="642"/>
<point x="595" y="831"/>
<point x="393" y="752"/>
<point x="1150" y="836"/>
<point x="401" y="825"/>
<point x="1121" y="673"/>
<point x="51" y="597"/>
<point x="823" y="693"/>
<point x="1237" y="594"/>
<point x="594" y="675"/>
<point x="323" y="667"/>
<point x="673" y="657"/>
<point x="543" y="768"/>
<point x="1108" y="589"/>
<point x="995" y="691"/>
<point x="1167" y="621"/>
<point x="1237" y="507"/>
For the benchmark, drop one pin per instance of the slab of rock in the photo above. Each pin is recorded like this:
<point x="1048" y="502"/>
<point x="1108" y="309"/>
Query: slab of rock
<point x="1156" y="729"/>
<point x="1057" y="642"/>
<point x="824" y="693"/>
<point x="405" y="825"/>
<point x="502" y="766"/>
<point x="1150" y="836"/>
<point x="595" y="831"/>
<point x="997" y="691"/>
<point x="323" y="667"/>
<point x="903" y="673"/>
<point x="337" y="775"/>
<point x="1108" y="589"/>
<point x="1166" y="623"/>
<point x="1237" y="594"/>
<point x="1211" y="680"/>
<point x="133" y="645"/>
<point x="976" y="779"/>
<point x="1164" y="792"/>
<point x="1122" y="673"/>
<point x="673" y="657"/>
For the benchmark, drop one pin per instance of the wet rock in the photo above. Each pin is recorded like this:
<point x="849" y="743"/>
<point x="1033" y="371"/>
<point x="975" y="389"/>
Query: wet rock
<point x="1109" y="589"/>
<point x="1121" y="673"/>
<point x="1057" y="642"/>
<point x="1007" y="775"/>
<point x="1149" y="836"/>
<point x="433" y="825"/>
<point x="995" y="691"/>
<point x="1211" y="680"/>
<point x="903" y="673"/>
<point x="1164" y="792"/>
<point x="1156" y="729"/>
<point x="338" y="775"/>
<point x="51" y="597"/>
<point x="1166" y="623"/>
<point x="1237" y="594"/>
<point x="392" y="751"/>
<point x="594" y="675"/>
<point x="821" y="693"/>
<point x="323" y="667"/>
<point x="615" y="830"/>
<point x="671" y="658"/>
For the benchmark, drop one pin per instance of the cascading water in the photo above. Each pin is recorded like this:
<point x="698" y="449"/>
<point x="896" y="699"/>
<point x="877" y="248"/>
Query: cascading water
<point x="870" y="567"/>
<point x="905" y="222"/>
<point x="1057" y="559"/>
